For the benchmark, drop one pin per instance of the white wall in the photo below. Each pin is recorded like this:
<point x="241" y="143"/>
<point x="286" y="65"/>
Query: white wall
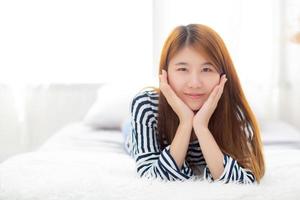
<point x="46" y="110"/>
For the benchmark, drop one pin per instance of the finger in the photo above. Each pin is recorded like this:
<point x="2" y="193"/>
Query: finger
<point x="163" y="80"/>
<point x="212" y="95"/>
<point x="170" y="95"/>
<point x="162" y="77"/>
<point x="217" y="91"/>
<point x="165" y="76"/>
<point x="220" y="89"/>
<point x="222" y="77"/>
<point x="166" y="89"/>
<point x="222" y="84"/>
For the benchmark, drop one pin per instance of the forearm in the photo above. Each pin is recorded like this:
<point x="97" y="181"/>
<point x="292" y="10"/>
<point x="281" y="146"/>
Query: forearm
<point x="180" y="143"/>
<point x="211" y="152"/>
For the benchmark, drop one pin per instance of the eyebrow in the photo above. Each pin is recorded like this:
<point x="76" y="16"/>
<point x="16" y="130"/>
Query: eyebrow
<point x="181" y="63"/>
<point x="186" y="64"/>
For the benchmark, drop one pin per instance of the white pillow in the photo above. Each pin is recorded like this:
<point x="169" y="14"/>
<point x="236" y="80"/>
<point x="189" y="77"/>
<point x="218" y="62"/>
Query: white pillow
<point x="112" y="106"/>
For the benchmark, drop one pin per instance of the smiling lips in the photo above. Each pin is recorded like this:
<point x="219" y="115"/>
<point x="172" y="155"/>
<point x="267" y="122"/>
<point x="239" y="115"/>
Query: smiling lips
<point x="194" y="95"/>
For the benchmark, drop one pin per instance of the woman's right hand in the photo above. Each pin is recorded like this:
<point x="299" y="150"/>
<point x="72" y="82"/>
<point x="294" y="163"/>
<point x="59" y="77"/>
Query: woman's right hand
<point x="184" y="113"/>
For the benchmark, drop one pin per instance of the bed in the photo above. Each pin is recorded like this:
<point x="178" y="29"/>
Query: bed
<point x="80" y="162"/>
<point x="86" y="160"/>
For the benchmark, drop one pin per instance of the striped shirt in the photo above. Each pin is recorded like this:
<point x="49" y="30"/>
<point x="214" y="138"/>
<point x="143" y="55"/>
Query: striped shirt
<point x="151" y="162"/>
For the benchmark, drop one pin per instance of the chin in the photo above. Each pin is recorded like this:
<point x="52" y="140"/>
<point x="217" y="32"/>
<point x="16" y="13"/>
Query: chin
<point x="195" y="108"/>
<point x="195" y="111"/>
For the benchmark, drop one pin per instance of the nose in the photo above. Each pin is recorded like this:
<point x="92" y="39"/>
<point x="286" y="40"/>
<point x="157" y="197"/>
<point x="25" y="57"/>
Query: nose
<point x="194" y="81"/>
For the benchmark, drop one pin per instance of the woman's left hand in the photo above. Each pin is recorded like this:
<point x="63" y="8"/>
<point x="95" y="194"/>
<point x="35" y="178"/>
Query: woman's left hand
<point x="203" y="115"/>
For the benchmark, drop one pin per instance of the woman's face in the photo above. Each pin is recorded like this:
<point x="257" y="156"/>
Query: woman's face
<point x="192" y="77"/>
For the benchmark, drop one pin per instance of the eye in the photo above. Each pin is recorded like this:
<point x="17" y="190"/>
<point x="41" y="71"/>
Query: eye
<point x="181" y="69"/>
<point x="206" y="69"/>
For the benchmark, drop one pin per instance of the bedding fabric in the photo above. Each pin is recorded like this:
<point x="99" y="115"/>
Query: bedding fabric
<point x="79" y="162"/>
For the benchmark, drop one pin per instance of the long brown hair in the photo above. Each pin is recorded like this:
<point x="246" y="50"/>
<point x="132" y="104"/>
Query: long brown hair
<point x="233" y="119"/>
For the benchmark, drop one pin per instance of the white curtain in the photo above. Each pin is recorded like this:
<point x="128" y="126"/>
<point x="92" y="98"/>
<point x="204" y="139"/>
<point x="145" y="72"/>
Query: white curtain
<point x="49" y="48"/>
<point x="82" y="41"/>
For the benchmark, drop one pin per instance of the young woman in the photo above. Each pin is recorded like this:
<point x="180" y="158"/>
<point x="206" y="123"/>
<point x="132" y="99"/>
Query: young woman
<point x="198" y="122"/>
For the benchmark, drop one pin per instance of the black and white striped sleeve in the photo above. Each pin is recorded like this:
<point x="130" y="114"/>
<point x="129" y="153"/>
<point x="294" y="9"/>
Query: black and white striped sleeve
<point x="233" y="172"/>
<point x="150" y="160"/>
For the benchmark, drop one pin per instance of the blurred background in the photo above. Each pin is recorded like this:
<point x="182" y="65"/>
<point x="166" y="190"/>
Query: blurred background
<point x="54" y="55"/>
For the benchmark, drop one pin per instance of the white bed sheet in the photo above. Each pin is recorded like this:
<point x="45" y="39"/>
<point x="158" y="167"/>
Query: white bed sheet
<point x="81" y="163"/>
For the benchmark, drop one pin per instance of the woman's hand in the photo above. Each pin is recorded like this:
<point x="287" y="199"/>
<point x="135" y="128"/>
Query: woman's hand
<point x="202" y="117"/>
<point x="184" y="113"/>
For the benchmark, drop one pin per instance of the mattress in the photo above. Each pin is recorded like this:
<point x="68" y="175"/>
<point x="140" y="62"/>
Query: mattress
<point x="79" y="162"/>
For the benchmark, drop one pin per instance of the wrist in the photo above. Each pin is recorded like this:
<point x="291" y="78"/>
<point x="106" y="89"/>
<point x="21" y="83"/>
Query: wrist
<point x="200" y="124"/>
<point x="200" y="128"/>
<point x="186" y="119"/>
<point x="186" y="123"/>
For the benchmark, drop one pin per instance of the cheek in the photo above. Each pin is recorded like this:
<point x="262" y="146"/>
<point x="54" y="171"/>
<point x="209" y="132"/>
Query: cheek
<point x="212" y="83"/>
<point x="175" y="82"/>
